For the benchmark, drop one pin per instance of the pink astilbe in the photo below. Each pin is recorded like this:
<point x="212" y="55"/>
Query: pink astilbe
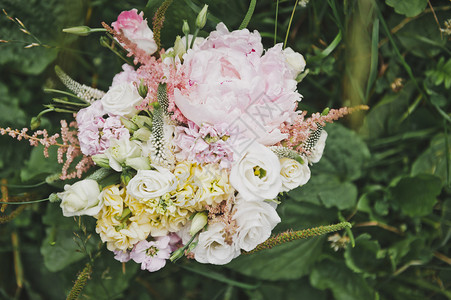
<point x="68" y="150"/>
<point x="301" y="128"/>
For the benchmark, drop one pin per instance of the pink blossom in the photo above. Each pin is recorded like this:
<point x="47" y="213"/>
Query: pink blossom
<point x="127" y="75"/>
<point x="96" y="128"/>
<point x="206" y="144"/>
<point x="232" y="83"/>
<point x="135" y="28"/>
<point x="152" y="255"/>
<point x="122" y="256"/>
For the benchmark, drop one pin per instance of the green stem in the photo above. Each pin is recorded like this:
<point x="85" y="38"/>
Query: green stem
<point x="289" y="24"/>
<point x="25" y="202"/>
<point x="60" y="92"/>
<point x="275" y="25"/>
<point x="196" y="32"/>
<point x="290" y="236"/>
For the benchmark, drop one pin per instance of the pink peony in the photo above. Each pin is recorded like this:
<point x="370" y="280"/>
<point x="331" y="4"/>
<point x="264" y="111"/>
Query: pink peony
<point x="232" y="83"/>
<point x="135" y="28"/>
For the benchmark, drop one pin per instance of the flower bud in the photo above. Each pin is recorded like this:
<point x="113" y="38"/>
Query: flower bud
<point x="129" y="124"/>
<point x="143" y="134"/>
<point x="142" y="89"/>
<point x="185" y="28"/>
<point x="78" y="30"/>
<point x="138" y="163"/>
<point x="126" y="176"/>
<point x="202" y="17"/>
<point x="54" y="198"/>
<point x="198" y="223"/>
<point x="141" y="121"/>
<point x="177" y="254"/>
<point x="179" y="47"/>
<point x="104" y="41"/>
<point x="101" y="160"/>
<point x="35" y="123"/>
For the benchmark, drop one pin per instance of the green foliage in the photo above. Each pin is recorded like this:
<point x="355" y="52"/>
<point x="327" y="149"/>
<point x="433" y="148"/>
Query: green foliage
<point x="441" y="73"/>
<point x="409" y="8"/>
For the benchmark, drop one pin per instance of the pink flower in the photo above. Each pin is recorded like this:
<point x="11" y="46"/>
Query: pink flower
<point x="232" y="83"/>
<point x="122" y="256"/>
<point x="127" y="75"/>
<point x="152" y="255"/>
<point x="206" y="144"/>
<point x="96" y="128"/>
<point x="135" y="28"/>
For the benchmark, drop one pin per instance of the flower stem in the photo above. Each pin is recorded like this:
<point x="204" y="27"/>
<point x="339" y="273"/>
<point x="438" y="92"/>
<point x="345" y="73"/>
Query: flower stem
<point x="289" y="236"/>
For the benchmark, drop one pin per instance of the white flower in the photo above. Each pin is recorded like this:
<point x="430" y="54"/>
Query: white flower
<point x="295" y="60"/>
<point x="293" y="174"/>
<point x="257" y="174"/>
<point x="81" y="198"/>
<point x="120" y="151"/>
<point x="149" y="184"/>
<point x="122" y="100"/>
<point x="317" y="151"/>
<point x="212" y="247"/>
<point x="255" y="220"/>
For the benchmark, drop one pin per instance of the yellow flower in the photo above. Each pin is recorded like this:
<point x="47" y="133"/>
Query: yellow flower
<point x="122" y="222"/>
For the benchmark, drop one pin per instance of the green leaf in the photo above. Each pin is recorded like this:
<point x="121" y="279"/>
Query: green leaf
<point x="409" y="8"/>
<point x="441" y="73"/>
<point x="433" y="159"/>
<point x="345" y="284"/>
<point x="417" y="195"/>
<point x="344" y="155"/>
<point x="59" y="248"/>
<point x="38" y="166"/>
<point x="288" y="261"/>
<point x="296" y="289"/>
<point x="327" y="190"/>
<point x="366" y="256"/>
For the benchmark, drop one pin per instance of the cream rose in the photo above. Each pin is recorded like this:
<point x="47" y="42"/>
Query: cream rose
<point x="255" y="220"/>
<point x="120" y="151"/>
<point x="256" y="175"/>
<point x="293" y="174"/>
<point x="149" y="184"/>
<point x="81" y="198"/>
<point x="212" y="247"/>
<point x="122" y="100"/>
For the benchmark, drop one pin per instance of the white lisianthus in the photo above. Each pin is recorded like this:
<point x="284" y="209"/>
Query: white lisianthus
<point x="255" y="220"/>
<point x="81" y="198"/>
<point x="317" y="151"/>
<point x="121" y="150"/>
<point x="122" y="100"/>
<point x="212" y="247"/>
<point x="256" y="175"/>
<point x="293" y="174"/>
<point x="295" y="60"/>
<point x="149" y="184"/>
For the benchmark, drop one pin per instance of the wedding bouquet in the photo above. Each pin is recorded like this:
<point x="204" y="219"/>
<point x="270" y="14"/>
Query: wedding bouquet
<point x="191" y="148"/>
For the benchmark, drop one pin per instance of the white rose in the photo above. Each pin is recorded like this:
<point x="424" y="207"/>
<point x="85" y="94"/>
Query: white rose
<point x="121" y="150"/>
<point x="257" y="174"/>
<point x="293" y="174"/>
<point x="122" y="100"/>
<point x="81" y="198"/>
<point x="149" y="184"/>
<point x="295" y="60"/>
<point x="212" y="247"/>
<point x="317" y="151"/>
<point x="255" y="220"/>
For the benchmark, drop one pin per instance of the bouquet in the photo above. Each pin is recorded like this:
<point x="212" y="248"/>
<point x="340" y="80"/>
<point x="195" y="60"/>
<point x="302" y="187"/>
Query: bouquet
<point x="191" y="149"/>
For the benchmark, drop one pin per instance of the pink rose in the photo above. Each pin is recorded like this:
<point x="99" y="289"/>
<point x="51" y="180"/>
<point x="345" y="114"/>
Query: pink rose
<point x="232" y="83"/>
<point x="135" y="28"/>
